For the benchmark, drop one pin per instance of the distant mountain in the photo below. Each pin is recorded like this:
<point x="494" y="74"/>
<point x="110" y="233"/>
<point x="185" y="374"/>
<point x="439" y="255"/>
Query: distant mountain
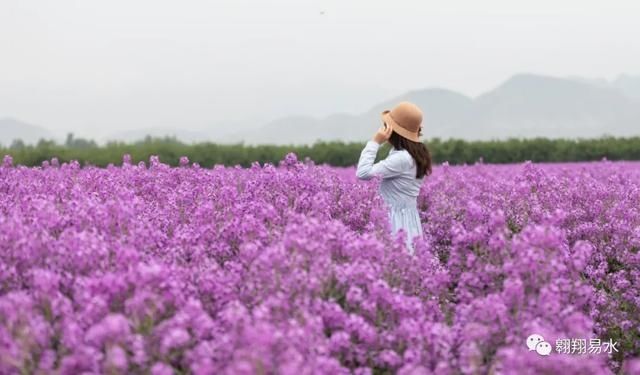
<point x="139" y="134"/>
<point x="447" y="112"/>
<point x="531" y="105"/>
<point x="12" y="129"/>
<point x="526" y="105"/>
<point x="630" y="85"/>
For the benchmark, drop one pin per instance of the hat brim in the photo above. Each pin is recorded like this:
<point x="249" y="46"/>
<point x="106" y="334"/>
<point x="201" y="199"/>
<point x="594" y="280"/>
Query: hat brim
<point x="386" y="117"/>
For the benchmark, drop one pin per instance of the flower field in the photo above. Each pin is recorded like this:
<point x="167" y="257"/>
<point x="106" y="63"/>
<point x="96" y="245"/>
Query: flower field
<point x="290" y="269"/>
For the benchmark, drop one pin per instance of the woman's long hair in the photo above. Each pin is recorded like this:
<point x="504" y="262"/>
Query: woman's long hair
<point x="418" y="151"/>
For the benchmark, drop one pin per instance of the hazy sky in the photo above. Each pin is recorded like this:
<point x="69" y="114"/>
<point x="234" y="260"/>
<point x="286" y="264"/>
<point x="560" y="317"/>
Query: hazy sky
<point x="96" y="67"/>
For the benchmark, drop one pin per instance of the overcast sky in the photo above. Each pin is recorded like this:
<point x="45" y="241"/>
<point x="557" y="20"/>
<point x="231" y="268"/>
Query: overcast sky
<point x="96" y="67"/>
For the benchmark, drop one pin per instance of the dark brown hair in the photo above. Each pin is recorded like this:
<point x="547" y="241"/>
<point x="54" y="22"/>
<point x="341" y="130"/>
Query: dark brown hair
<point x="418" y="151"/>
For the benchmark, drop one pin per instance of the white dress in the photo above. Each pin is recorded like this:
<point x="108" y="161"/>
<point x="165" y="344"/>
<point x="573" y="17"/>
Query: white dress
<point x="399" y="187"/>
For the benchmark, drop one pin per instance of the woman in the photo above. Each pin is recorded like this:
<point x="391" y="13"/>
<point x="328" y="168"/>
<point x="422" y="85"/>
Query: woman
<point x="404" y="169"/>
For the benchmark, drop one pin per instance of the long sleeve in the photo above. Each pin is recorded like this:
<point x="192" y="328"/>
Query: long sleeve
<point x="392" y="166"/>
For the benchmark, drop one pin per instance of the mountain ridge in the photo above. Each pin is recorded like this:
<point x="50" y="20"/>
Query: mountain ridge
<point x="525" y="105"/>
<point x="12" y="129"/>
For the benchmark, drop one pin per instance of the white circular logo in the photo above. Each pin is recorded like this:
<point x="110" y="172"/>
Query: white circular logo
<point x="533" y="340"/>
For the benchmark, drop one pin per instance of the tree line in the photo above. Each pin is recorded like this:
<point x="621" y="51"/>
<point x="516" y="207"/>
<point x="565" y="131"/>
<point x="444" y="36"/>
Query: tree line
<point x="207" y="154"/>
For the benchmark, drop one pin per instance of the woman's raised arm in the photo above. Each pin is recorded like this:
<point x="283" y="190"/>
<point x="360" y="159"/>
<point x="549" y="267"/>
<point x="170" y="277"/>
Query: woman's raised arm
<point x="390" y="167"/>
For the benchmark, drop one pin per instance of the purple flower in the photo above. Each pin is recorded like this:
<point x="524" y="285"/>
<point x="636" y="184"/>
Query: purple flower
<point x="290" y="268"/>
<point x="174" y="339"/>
<point x="7" y="161"/>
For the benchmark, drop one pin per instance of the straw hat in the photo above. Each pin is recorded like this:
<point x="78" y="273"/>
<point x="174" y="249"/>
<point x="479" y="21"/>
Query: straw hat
<point x="405" y="119"/>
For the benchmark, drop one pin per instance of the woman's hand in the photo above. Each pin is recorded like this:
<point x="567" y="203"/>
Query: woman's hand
<point x="383" y="134"/>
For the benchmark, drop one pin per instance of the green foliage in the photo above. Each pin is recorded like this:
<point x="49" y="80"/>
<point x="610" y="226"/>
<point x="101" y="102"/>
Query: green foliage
<point x="207" y="154"/>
